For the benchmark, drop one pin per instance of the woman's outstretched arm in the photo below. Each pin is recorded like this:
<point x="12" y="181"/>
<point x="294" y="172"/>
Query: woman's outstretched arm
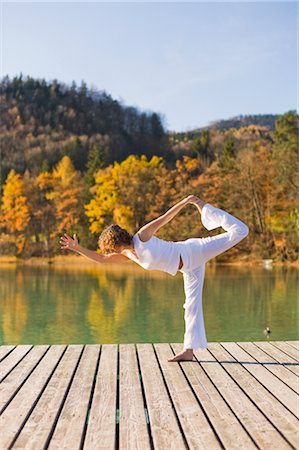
<point x="148" y="230"/>
<point x="72" y="244"/>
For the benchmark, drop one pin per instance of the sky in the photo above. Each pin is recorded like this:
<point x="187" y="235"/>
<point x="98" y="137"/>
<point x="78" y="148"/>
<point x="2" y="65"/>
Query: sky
<point x="191" y="62"/>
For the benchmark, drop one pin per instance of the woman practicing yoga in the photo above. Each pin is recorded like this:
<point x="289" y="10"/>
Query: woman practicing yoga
<point x="188" y="257"/>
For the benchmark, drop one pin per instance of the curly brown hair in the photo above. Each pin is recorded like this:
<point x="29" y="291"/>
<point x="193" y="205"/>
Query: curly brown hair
<point x="112" y="236"/>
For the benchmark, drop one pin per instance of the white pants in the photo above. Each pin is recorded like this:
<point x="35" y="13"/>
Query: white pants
<point x="195" y="253"/>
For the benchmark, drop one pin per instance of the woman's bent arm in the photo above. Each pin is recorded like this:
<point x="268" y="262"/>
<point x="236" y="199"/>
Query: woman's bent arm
<point x="148" y="230"/>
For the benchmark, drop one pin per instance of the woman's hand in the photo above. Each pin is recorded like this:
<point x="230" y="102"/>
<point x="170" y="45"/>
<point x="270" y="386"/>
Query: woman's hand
<point x="193" y="199"/>
<point x="69" y="243"/>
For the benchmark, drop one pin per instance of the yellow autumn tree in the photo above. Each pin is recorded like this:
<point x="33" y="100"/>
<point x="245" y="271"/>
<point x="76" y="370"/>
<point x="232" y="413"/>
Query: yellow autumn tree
<point x="42" y="213"/>
<point x="67" y="187"/>
<point x="123" y="193"/>
<point x="105" y="195"/>
<point x="14" y="209"/>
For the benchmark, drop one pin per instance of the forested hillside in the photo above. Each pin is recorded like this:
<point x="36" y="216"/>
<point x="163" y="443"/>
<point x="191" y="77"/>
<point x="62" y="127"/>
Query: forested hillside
<point x="74" y="160"/>
<point x="42" y="121"/>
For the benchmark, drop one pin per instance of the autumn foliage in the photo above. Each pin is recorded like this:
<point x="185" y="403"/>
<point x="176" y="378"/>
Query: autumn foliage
<point x="250" y="172"/>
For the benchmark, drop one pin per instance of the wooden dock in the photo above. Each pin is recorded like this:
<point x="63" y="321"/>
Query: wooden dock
<point x="233" y="395"/>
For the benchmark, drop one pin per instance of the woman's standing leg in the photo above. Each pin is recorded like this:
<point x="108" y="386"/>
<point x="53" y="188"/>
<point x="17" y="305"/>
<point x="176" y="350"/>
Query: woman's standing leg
<point x="195" y="335"/>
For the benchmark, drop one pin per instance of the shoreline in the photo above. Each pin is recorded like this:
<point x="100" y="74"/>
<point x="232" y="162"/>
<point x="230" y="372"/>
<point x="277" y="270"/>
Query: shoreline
<point x="80" y="260"/>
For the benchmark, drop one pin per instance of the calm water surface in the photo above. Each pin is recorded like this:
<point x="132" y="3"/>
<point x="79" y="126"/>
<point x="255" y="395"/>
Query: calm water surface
<point x="94" y="304"/>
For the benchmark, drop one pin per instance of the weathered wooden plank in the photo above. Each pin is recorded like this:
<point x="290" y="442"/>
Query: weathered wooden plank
<point x="133" y="431"/>
<point x="281" y="372"/>
<point x="69" y="429"/>
<point x="284" y="359"/>
<point x="282" y="392"/>
<point x="18" y="375"/>
<point x="101" y="429"/>
<point x="288" y="349"/>
<point x="36" y="430"/>
<point x="197" y="430"/>
<point x="4" y="350"/>
<point x="225" y="422"/>
<point x="164" y="426"/>
<point x="17" y="411"/>
<point x="262" y="432"/>
<point x="274" y="411"/>
<point x="293" y="343"/>
<point x="13" y="359"/>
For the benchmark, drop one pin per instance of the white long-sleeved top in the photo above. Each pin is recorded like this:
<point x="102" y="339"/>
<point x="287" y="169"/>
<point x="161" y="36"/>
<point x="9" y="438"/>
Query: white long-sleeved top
<point x="157" y="254"/>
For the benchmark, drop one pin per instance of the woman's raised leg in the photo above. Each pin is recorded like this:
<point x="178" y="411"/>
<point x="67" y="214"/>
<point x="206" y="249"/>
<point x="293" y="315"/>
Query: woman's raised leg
<point x="212" y="218"/>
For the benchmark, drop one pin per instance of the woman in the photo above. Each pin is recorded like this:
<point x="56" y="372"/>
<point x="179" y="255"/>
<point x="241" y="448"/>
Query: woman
<point x="189" y="257"/>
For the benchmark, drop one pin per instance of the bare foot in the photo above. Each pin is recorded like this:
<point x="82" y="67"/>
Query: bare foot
<point x="185" y="355"/>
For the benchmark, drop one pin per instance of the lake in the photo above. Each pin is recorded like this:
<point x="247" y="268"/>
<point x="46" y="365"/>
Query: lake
<point x="99" y="304"/>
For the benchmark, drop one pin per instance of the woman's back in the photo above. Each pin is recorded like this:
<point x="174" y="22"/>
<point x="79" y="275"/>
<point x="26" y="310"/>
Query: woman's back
<point x="156" y="254"/>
